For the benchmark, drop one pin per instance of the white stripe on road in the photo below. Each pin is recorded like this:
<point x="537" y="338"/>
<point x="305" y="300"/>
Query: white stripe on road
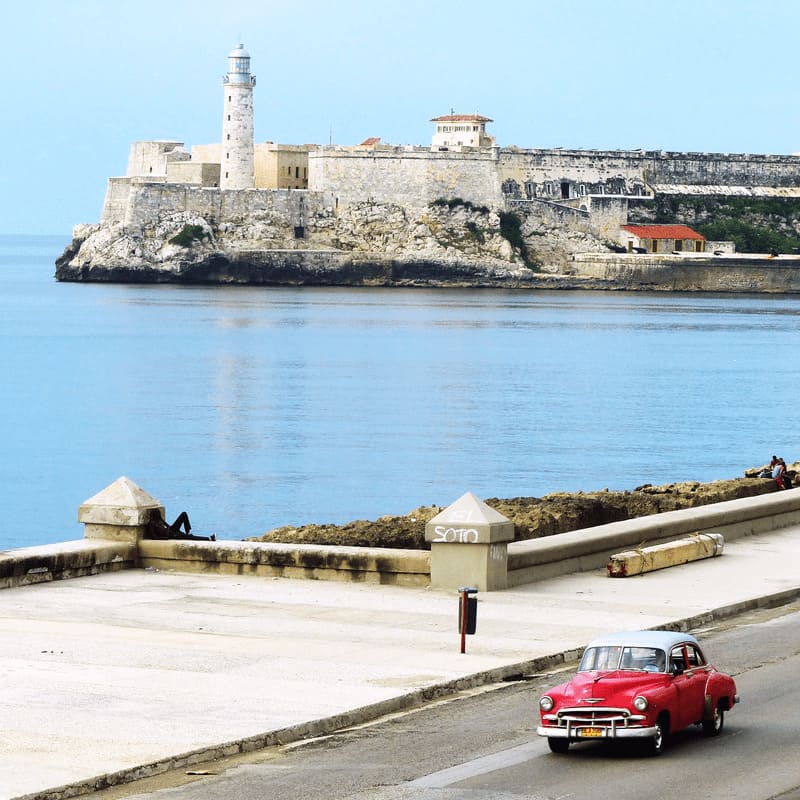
<point x="479" y="766"/>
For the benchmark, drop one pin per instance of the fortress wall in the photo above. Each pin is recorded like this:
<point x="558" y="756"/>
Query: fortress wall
<point x="552" y="214"/>
<point x="589" y="166"/>
<point x="198" y="173"/>
<point x="723" y="168"/>
<point x="606" y="217"/>
<point x="116" y="200"/>
<point x="412" y="178"/>
<point x="148" y="203"/>
<point x="608" y="214"/>
<point x="207" y="153"/>
<point x="150" y="158"/>
<point x="595" y="167"/>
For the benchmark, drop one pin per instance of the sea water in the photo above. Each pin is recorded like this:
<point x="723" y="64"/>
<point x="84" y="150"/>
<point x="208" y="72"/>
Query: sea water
<point x="255" y="407"/>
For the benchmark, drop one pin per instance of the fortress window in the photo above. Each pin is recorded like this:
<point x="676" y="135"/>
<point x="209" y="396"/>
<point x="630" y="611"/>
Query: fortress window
<point x="229" y="137"/>
<point x="226" y="174"/>
<point x="288" y="171"/>
<point x="229" y="117"/>
<point x="305" y="171"/>
<point x="297" y="172"/>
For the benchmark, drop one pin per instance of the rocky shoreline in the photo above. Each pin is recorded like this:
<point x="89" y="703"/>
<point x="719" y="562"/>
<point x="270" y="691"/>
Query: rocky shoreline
<point x="302" y="268"/>
<point x="534" y="517"/>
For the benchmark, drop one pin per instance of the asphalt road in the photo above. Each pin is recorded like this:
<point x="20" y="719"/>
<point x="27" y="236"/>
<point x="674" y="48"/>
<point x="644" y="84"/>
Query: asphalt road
<point x="482" y="746"/>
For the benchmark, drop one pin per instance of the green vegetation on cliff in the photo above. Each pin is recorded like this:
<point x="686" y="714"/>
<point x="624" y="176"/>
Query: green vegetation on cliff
<point x="754" y="224"/>
<point x="188" y="235"/>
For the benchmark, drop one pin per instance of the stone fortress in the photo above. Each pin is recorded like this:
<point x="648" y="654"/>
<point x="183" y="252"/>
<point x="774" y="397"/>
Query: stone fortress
<point x="389" y="214"/>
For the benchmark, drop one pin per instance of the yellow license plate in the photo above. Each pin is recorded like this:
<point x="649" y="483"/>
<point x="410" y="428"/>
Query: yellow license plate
<point x="591" y="732"/>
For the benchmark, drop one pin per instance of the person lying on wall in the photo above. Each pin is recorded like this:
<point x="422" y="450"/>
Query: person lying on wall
<point x="157" y="528"/>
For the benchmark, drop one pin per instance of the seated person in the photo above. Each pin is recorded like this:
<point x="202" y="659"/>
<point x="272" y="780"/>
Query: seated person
<point x="656" y="663"/>
<point x="157" y="528"/>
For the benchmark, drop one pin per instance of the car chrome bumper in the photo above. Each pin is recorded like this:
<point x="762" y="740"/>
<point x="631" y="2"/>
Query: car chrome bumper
<point x="616" y="732"/>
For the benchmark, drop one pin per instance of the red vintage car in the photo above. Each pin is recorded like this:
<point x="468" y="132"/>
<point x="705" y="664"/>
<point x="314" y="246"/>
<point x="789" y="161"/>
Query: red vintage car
<point x="637" y="685"/>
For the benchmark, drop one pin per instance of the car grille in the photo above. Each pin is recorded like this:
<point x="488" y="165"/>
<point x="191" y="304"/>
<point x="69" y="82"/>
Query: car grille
<point x="594" y="717"/>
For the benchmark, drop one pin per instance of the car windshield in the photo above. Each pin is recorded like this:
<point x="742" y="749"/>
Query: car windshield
<point x="608" y="657"/>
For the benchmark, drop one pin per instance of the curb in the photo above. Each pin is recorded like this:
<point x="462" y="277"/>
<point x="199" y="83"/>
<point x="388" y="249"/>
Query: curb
<point x="369" y="713"/>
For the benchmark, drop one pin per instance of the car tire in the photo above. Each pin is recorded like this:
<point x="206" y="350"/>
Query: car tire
<point x="557" y="745"/>
<point x="659" y="740"/>
<point x="713" y="726"/>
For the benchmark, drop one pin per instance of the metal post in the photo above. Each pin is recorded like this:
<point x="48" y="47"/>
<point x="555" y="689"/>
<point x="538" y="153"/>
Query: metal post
<point x="463" y="620"/>
<point x="464" y="604"/>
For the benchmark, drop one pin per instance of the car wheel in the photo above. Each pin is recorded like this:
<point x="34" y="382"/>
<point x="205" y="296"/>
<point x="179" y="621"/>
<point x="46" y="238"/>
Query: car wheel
<point x="713" y="726"/>
<point x="558" y="745"/>
<point x="659" y="740"/>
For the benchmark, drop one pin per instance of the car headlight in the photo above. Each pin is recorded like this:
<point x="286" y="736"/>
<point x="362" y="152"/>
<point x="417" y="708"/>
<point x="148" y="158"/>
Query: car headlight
<point x="640" y="703"/>
<point x="546" y="703"/>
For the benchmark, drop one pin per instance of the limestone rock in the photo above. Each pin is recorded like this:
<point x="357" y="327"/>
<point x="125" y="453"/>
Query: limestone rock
<point x="533" y="517"/>
<point x="366" y="243"/>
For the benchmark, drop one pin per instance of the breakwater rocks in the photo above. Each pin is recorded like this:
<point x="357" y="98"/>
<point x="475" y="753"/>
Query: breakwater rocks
<point x="533" y="517"/>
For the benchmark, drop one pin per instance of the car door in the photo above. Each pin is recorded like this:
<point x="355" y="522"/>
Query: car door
<point x="689" y="681"/>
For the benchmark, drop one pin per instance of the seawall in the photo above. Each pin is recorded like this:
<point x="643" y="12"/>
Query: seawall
<point x="693" y="273"/>
<point x="528" y="561"/>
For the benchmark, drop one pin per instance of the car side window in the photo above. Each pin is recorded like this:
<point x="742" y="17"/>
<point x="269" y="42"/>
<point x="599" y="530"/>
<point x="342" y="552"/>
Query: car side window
<point x="677" y="662"/>
<point x="695" y="656"/>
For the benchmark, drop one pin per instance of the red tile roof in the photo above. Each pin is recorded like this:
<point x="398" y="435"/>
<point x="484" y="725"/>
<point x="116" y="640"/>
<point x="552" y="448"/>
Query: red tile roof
<point x="462" y="118"/>
<point x="663" y="232"/>
<point x="373" y="140"/>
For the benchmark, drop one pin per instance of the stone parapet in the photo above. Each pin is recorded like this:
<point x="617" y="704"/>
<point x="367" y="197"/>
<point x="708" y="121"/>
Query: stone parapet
<point x="590" y="548"/>
<point x="318" y="562"/>
<point x="492" y="563"/>
<point x="29" y="565"/>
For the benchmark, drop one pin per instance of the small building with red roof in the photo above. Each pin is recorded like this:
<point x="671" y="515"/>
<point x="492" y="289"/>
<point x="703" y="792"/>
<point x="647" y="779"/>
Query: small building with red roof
<point x="661" y="239"/>
<point x="455" y="131"/>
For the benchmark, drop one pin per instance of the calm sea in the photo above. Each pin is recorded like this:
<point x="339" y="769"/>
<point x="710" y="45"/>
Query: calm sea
<point x="258" y="407"/>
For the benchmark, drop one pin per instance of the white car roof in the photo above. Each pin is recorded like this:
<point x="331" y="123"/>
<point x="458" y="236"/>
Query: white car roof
<point x="664" y="640"/>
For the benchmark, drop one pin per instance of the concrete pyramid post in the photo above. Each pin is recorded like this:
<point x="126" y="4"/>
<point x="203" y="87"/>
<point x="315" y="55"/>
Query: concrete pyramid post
<point x="469" y="546"/>
<point x="119" y="512"/>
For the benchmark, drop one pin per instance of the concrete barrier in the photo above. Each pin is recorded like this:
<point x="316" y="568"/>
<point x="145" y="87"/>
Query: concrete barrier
<point x="28" y="565"/>
<point x="590" y="548"/>
<point x="370" y="565"/>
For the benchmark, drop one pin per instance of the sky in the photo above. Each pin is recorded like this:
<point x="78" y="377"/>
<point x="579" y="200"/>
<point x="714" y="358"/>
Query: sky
<point x="83" y="79"/>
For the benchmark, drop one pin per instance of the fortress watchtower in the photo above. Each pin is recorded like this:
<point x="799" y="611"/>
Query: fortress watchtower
<point x="237" y="168"/>
<point x="461" y="130"/>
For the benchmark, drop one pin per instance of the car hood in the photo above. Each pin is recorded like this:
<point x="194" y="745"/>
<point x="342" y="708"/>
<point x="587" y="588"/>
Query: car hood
<point x="609" y="688"/>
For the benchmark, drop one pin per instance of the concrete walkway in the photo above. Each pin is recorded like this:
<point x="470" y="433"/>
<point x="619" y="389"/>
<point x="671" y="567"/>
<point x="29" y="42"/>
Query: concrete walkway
<point x="106" y="674"/>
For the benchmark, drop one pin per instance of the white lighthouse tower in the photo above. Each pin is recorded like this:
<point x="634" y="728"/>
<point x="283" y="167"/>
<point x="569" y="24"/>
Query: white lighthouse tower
<point x="236" y="169"/>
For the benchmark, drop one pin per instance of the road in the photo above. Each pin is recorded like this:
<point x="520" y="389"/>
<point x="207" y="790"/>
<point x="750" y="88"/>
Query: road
<point x="482" y="746"/>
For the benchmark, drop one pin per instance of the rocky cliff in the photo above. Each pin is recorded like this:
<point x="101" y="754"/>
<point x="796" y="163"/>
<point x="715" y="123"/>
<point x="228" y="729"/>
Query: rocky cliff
<point x="449" y="243"/>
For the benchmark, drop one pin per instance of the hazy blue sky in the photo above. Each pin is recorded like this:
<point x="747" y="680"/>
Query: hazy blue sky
<point x="81" y="80"/>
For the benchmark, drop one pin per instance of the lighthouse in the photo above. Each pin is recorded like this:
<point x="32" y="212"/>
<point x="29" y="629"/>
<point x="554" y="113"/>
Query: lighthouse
<point x="236" y="168"/>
